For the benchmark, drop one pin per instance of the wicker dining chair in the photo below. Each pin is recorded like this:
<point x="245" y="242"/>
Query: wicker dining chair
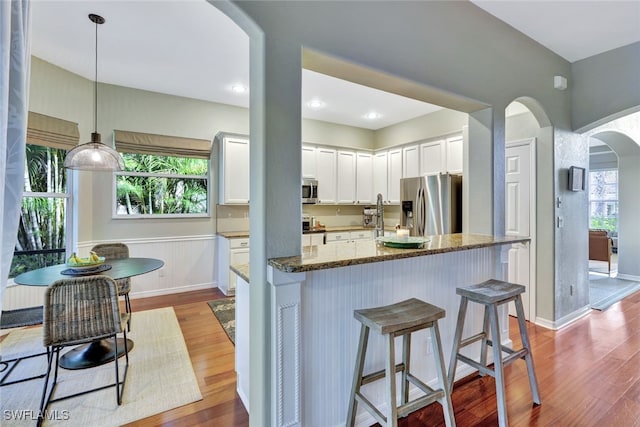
<point x="117" y="251"/>
<point x="81" y="310"/>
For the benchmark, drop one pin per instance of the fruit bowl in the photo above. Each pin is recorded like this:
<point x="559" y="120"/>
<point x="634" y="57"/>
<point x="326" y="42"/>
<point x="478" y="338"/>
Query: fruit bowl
<point x="85" y="263"/>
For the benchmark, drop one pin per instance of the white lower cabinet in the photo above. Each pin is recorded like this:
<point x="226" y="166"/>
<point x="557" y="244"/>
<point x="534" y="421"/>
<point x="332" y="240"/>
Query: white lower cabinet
<point x="312" y="239"/>
<point x="230" y="251"/>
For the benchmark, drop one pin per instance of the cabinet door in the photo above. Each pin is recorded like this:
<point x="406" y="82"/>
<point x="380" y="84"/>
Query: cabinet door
<point x="380" y="176"/>
<point x="410" y="161"/>
<point x="235" y="171"/>
<point x="346" y="184"/>
<point x="364" y="178"/>
<point x="309" y="162"/>
<point x="394" y="175"/>
<point x="326" y="175"/>
<point x="454" y="154"/>
<point x="317" y="239"/>
<point x="432" y="158"/>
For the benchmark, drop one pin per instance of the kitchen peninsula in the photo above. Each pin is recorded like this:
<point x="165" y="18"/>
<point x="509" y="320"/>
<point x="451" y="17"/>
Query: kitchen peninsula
<point x="313" y="296"/>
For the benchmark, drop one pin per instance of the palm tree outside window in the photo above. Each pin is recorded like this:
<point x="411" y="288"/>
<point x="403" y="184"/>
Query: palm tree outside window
<point x="161" y="186"/>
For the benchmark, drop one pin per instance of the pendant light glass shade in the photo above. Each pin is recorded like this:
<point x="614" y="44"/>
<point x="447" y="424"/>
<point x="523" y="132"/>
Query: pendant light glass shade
<point x="94" y="155"/>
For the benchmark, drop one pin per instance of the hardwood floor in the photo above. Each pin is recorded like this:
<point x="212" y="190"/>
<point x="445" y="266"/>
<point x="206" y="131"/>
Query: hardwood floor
<point x="212" y="357"/>
<point x="588" y="373"/>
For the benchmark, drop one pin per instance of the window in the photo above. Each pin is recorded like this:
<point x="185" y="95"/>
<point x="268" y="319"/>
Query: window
<point x="603" y="200"/>
<point x="165" y="176"/>
<point x="42" y="232"/>
<point x="153" y="186"/>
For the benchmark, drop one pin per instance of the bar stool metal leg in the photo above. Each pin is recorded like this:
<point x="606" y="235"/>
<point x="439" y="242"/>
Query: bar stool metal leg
<point x="357" y="374"/>
<point x="457" y="337"/>
<point x="498" y="366"/>
<point x="485" y="341"/>
<point x="390" y="379"/>
<point x="445" y="401"/>
<point x="406" y="360"/>
<point x="533" y="380"/>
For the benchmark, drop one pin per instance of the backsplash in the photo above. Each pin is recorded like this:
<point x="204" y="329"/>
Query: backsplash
<point x="232" y="218"/>
<point x="349" y="215"/>
<point x="236" y="217"/>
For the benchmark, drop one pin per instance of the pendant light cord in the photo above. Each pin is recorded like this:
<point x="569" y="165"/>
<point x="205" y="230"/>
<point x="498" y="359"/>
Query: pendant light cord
<point x="95" y="88"/>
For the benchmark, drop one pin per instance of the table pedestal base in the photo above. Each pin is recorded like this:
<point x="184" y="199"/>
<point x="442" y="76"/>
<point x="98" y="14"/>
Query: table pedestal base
<point x="93" y="354"/>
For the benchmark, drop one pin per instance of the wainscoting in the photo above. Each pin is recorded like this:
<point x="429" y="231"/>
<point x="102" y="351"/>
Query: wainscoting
<point x="189" y="264"/>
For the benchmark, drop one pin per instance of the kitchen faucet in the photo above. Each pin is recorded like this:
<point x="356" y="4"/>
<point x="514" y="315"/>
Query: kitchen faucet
<point x="379" y="231"/>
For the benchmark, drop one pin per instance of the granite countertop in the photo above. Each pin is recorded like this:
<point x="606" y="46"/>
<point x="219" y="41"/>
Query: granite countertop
<point x="241" y="270"/>
<point x="324" y="257"/>
<point x="245" y="234"/>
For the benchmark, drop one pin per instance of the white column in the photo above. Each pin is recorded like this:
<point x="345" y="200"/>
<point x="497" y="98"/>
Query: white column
<point x="286" y="368"/>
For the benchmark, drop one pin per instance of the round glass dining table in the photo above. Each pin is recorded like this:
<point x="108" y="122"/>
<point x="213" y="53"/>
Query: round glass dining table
<point x="100" y="351"/>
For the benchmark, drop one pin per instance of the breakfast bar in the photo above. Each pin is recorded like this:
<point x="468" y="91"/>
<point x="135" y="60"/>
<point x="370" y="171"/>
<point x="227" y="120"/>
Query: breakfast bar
<point x="313" y="297"/>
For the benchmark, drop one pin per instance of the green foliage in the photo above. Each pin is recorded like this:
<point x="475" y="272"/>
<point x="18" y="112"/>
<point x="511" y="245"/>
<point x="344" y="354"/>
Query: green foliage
<point x="604" y="223"/>
<point x="178" y="185"/>
<point x="43" y="218"/>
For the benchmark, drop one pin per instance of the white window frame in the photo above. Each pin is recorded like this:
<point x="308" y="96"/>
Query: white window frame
<point x="115" y="215"/>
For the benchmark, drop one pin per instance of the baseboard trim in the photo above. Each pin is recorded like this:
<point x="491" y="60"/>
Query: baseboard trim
<point x="628" y="277"/>
<point x="169" y="291"/>
<point x="565" y="321"/>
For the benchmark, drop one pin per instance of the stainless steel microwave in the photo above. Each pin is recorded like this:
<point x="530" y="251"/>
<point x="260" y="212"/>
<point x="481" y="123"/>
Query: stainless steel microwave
<point x="309" y="191"/>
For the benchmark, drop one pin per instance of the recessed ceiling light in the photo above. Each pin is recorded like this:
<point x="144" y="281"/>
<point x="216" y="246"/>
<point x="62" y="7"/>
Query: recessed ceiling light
<point x="372" y="115"/>
<point x="316" y="104"/>
<point x="238" y="88"/>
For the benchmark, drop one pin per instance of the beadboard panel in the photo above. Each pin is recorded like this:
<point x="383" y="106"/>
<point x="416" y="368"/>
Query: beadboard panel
<point x="189" y="264"/>
<point x="330" y="333"/>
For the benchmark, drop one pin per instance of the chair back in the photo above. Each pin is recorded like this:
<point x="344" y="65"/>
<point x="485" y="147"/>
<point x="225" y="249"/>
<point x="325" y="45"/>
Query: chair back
<point x="111" y="250"/>
<point x="80" y="309"/>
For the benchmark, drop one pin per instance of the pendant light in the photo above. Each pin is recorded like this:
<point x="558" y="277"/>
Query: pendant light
<point x="94" y="155"/>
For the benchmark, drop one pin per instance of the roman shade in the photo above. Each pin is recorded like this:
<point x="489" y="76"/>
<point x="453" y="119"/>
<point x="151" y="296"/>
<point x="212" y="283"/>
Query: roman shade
<point x="161" y="145"/>
<point x="51" y="131"/>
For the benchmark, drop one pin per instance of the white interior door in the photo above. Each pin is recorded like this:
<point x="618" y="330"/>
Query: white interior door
<point x="519" y="215"/>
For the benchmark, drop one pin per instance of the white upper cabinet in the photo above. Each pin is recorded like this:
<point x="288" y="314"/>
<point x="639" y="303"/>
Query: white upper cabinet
<point x="410" y="161"/>
<point x="326" y="174"/>
<point x="234" y="169"/>
<point x="309" y="162"/>
<point x="394" y="173"/>
<point x="432" y="158"/>
<point x="380" y="174"/>
<point x="364" y="178"/>
<point x="454" y="154"/>
<point x="346" y="184"/>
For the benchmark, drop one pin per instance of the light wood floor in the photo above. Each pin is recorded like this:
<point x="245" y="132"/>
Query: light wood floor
<point x="588" y="373"/>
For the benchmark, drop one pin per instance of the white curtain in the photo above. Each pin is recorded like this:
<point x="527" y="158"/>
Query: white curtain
<point x="14" y="97"/>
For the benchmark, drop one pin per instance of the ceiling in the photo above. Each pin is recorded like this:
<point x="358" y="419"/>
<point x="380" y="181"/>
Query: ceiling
<point x="188" y="48"/>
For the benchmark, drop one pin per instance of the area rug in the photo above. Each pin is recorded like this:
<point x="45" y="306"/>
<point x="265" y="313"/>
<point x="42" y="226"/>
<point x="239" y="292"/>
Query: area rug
<point x="160" y="378"/>
<point x="21" y="317"/>
<point x="604" y="291"/>
<point x="225" y="311"/>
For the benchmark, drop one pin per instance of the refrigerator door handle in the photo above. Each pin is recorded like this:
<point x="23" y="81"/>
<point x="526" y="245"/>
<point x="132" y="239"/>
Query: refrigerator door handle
<point x="420" y="208"/>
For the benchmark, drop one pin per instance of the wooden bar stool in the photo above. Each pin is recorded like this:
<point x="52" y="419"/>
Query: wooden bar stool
<point x="491" y="294"/>
<point x="400" y="319"/>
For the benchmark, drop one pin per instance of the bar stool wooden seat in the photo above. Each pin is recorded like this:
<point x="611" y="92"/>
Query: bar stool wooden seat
<point x="491" y="294"/>
<point x="400" y="319"/>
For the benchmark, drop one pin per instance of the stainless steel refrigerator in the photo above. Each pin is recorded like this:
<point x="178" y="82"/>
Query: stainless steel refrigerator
<point x="431" y="204"/>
